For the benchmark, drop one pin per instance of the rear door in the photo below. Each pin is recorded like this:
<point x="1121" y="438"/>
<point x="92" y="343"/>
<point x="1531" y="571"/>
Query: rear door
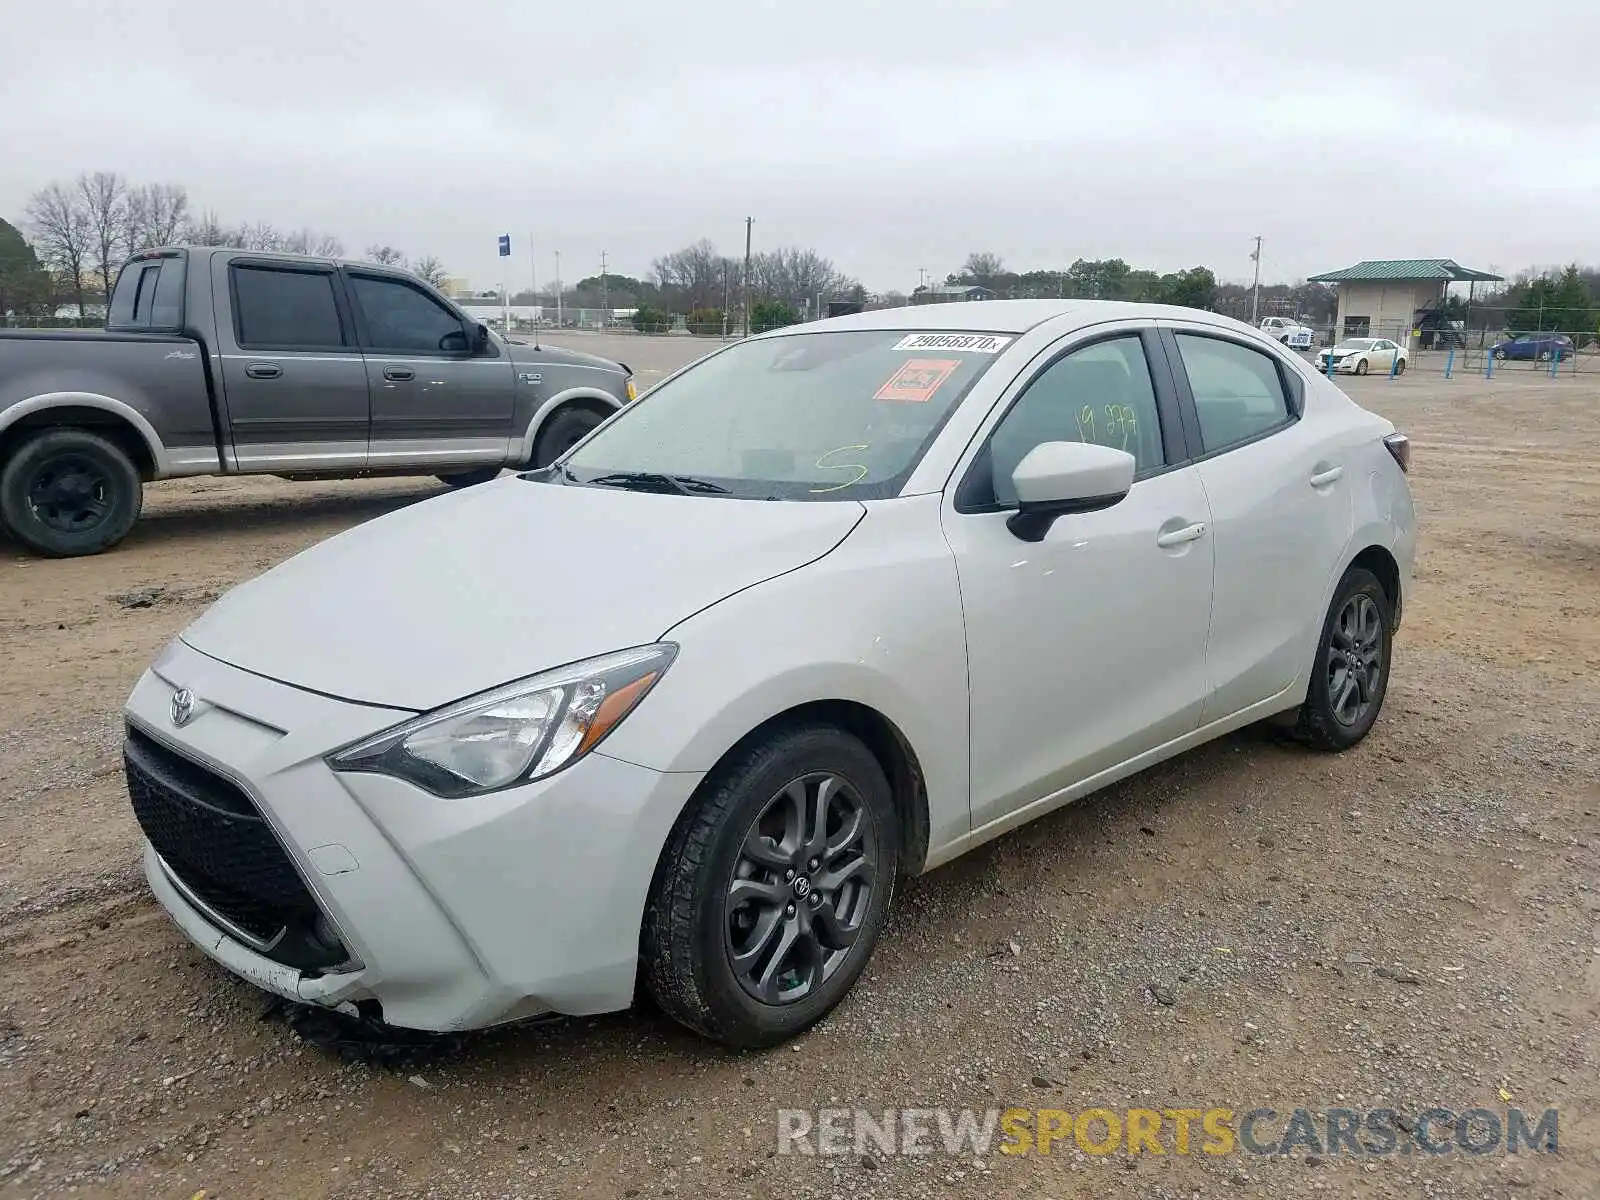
<point x="1278" y="485"/>
<point x="294" y="385"/>
<point x="434" y="401"/>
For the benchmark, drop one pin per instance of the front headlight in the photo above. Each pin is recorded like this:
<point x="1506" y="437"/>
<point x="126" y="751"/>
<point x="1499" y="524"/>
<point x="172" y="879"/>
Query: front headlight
<point x="633" y="392"/>
<point x="515" y="733"/>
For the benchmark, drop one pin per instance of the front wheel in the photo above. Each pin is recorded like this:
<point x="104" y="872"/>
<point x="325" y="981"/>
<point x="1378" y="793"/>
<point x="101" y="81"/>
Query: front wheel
<point x="563" y="431"/>
<point x="461" y="479"/>
<point x="772" y="889"/>
<point x="1544" y="356"/>
<point x="1361" y="367"/>
<point x="1400" y="366"/>
<point x="1350" y="676"/>
<point x="69" y="492"/>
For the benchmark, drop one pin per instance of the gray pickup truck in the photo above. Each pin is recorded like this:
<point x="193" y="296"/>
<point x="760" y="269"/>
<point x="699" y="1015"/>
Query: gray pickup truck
<point x="233" y="362"/>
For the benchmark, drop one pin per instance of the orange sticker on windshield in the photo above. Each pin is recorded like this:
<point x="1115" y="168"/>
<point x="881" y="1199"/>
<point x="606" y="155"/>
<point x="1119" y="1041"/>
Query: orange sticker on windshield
<point x="918" y="379"/>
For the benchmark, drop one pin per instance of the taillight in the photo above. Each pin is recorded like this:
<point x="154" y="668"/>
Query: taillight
<point x="1399" y="445"/>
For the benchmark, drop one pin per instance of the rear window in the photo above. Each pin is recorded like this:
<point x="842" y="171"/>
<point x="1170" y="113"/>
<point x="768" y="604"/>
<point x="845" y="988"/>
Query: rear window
<point x="148" y="295"/>
<point x="278" y="309"/>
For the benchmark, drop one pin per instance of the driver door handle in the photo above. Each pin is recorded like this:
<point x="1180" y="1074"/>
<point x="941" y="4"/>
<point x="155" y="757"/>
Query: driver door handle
<point x="1177" y="537"/>
<point x="263" y="370"/>
<point x="397" y="373"/>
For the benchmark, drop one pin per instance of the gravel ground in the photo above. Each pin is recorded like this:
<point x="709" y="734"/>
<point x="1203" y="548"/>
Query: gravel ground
<point x="1413" y="924"/>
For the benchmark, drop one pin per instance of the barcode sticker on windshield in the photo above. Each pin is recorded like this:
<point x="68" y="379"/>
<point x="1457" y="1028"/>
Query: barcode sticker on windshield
<point x="916" y="381"/>
<point x="971" y="343"/>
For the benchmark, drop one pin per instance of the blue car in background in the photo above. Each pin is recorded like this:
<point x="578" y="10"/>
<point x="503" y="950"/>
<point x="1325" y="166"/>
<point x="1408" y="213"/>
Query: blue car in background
<point x="1531" y="346"/>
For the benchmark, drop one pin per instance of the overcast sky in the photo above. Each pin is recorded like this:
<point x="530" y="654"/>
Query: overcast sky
<point x="889" y="136"/>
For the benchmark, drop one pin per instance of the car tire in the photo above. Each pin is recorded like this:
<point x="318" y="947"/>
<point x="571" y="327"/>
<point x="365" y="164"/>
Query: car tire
<point x="563" y="431"/>
<point x="1544" y="356"/>
<point x="755" y="971"/>
<point x="1400" y="366"/>
<point x="1500" y="354"/>
<point x="69" y="492"/>
<point x="1361" y="367"/>
<point x="461" y="479"/>
<point x="1354" y="651"/>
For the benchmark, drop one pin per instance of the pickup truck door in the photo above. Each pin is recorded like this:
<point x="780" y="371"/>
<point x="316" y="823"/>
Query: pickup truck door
<point x="294" y="388"/>
<point x="433" y="401"/>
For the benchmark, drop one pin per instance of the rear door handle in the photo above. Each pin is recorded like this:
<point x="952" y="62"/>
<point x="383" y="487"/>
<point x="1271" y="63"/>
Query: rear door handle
<point x="399" y="373"/>
<point x="1177" y="537"/>
<point x="263" y="370"/>
<point x="1325" y="477"/>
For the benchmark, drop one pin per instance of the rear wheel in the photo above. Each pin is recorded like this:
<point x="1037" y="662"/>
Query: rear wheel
<point x="1544" y="356"/>
<point x="1500" y="354"/>
<point x="773" y="888"/>
<point x="69" y="492"/>
<point x="1351" y="674"/>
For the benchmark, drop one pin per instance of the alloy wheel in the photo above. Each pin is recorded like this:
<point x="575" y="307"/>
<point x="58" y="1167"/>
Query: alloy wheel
<point x="801" y="889"/>
<point x="1354" y="659"/>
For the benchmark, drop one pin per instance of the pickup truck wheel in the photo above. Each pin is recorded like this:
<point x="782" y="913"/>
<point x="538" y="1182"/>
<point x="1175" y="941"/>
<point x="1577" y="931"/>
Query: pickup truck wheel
<point x="564" y="431"/>
<point x="67" y="492"/>
<point x="463" y="479"/>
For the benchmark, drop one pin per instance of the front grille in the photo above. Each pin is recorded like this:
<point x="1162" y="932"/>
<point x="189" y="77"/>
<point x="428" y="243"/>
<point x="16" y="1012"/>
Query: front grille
<point x="212" y="836"/>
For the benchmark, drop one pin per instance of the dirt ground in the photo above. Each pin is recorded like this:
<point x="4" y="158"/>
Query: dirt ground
<point x="1413" y="924"/>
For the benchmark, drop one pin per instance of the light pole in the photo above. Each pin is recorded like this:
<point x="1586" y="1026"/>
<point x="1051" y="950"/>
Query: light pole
<point x="1255" y="287"/>
<point x="558" y="289"/>
<point x="748" y="222"/>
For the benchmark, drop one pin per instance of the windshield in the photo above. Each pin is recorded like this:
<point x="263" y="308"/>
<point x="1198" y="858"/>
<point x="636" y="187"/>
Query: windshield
<point x="1360" y="344"/>
<point x="841" y="415"/>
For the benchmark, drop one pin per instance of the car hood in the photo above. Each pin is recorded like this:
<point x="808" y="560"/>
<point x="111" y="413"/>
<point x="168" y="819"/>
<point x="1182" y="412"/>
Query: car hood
<point x="1342" y="350"/>
<point x="453" y="595"/>
<point x="530" y="353"/>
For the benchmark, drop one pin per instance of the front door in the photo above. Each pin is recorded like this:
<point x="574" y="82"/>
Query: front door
<point x="1087" y="648"/>
<point x="293" y="380"/>
<point x="434" y="403"/>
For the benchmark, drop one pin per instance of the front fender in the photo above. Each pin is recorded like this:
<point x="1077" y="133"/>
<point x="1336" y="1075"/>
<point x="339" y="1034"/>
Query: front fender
<point x="524" y="447"/>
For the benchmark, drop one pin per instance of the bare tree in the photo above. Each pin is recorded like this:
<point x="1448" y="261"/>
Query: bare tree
<point x="694" y="275"/>
<point x="385" y="256"/>
<point x="206" y="230"/>
<point x="157" y="213"/>
<point x="430" y="270"/>
<point x="981" y="265"/>
<point x="105" y="203"/>
<point x="260" y="235"/>
<point x="796" y="276"/>
<point x="61" y="229"/>
<point x="309" y="242"/>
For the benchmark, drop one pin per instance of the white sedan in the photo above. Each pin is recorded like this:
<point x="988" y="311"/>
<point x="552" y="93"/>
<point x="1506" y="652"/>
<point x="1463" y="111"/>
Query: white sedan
<point x="1289" y="332"/>
<point x="1363" y="356"/>
<point x="826" y="609"/>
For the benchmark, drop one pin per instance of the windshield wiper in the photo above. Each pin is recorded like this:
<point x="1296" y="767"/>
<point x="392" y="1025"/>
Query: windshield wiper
<point x="654" y="481"/>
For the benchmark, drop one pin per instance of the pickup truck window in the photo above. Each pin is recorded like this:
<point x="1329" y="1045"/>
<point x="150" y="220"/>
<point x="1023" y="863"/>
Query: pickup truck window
<point x="148" y="295"/>
<point x="401" y="318"/>
<point x="277" y="309"/>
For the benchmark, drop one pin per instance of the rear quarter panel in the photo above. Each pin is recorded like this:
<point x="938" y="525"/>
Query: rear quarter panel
<point x="157" y="384"/>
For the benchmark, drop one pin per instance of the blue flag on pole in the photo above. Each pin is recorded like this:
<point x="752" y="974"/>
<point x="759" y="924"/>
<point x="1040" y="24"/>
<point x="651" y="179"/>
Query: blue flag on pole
<point x="505" y="245"/>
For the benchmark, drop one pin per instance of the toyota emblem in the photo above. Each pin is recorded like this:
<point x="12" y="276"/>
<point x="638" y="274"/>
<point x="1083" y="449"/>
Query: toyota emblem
<point x="182" y="706"/>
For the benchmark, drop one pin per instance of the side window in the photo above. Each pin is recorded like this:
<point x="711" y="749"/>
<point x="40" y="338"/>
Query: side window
<point x="277" y="309"/>
<point x="1238" y="391"/>
<point x="404" y="320"/>
<point x="1101" y="393"/>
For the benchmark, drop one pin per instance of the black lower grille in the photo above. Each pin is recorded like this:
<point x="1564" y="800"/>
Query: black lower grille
<point x="215" y="840"/>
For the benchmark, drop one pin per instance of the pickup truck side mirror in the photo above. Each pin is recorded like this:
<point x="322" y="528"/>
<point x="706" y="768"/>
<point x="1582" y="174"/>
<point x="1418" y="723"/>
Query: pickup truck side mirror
<point x="480" y="337"/>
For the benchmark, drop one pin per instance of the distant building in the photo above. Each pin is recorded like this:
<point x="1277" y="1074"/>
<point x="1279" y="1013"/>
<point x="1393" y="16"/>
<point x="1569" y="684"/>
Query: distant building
<point x="950" y="293"/>
<point x="1382" y="297"/>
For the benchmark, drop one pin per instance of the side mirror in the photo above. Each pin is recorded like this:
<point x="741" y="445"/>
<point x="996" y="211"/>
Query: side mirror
<point x="454" y="342"/>
<point x="1055" y="479"/>
<point x="480" y="337"/>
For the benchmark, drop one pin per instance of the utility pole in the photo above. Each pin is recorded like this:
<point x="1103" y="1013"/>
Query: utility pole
<point x="1255" y="287"/>
<point x="533" y="273"/>
<point x="558" y="289"/>
<point x="726" y="277"/>
<point x="748" y="222"/>
<point x="605" y="294"/>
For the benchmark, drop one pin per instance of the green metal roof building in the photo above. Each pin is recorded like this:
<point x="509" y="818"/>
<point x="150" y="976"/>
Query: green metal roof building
<point x="1381" y="297"/>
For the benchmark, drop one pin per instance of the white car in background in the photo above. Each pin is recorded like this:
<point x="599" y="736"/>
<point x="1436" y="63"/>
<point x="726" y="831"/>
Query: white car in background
<point x="1364" y="356"/>
<point x="828" y="608"/>
<point x="1289" y="332"/>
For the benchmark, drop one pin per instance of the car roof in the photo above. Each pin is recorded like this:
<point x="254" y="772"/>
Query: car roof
<point x="1006" y="316"/>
